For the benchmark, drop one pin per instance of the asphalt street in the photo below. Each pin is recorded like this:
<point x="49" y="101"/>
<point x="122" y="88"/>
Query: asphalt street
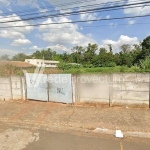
<point x="68" y="141"/>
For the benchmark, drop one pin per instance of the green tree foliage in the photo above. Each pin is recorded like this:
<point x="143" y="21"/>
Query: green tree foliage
<point x="20" y="57"/>
<point x="78" y="54"/>
<point x="93" y="57"/>
<point x="145" y="64"/>
<point x="145" y="48"/>
<point x="44" y="54"/>
<point x="125" y="48"/>
<point x="90" y="53"/>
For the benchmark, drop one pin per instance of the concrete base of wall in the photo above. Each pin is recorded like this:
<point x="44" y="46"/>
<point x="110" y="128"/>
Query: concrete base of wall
<point x="92" y="104"/>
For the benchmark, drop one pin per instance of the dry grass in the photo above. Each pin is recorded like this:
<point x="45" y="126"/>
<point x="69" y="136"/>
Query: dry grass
<point x="10" y="70"/>
<point x="7" y="70"/>
<point x="16" y="64"/>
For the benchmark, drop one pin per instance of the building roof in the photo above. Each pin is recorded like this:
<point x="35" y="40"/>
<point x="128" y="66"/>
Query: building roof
<point x="16" y="63"/>
<point x="47" y="61"/>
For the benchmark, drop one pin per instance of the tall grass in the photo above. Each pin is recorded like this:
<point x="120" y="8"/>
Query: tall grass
<point x="9" y="70"/>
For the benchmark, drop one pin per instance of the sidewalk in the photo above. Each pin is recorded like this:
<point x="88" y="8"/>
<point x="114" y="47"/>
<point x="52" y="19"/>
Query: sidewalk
<point x="46" y="114"/>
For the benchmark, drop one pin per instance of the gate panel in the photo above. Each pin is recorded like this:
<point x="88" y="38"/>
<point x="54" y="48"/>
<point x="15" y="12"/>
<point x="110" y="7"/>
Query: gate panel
<point x="60" y="88"/>
<point x="37" y="86"/>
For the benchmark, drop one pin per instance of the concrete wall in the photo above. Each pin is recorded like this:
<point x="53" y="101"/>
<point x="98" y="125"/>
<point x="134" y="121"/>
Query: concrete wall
<point x="5" y="89"/>
<point x="130" y="89"/>
<point x="12" y="88"/>
<point x="91" y="88"/>
<point x="112" y="89"/>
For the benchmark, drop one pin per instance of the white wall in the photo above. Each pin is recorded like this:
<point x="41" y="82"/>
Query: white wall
<point x="12" y="88"/>
<point x="5" y="89"/>
<point x="91" y="88"/>
<point x="41" y="62"/>
<point x="112" y="89"/>
<point x="133" y="89"/>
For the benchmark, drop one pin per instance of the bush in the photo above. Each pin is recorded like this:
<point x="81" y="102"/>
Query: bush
<point x="123" y="69"/>
<point x="66" y="66"/>
<point x="111" y="64"/>
<point x="145" y="64"/>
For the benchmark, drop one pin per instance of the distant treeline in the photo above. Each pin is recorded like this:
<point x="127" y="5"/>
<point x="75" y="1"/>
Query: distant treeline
<point x="93" y="57"/>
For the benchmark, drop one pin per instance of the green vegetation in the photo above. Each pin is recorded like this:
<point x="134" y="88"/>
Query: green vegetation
<point x="91" y="59"/>
<point x="117" y="69"/>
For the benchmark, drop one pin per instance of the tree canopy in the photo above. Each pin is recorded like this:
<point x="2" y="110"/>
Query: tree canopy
<point x="93" y="56"/>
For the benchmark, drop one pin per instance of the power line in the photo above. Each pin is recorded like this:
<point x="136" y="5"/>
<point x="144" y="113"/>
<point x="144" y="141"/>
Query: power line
<point x="73" y="13"/>
<point x="104" y="25"/>
<point x="81" y="11"/>
<point x="98" y="11"/>
<point x="80" y="21"/>
<point x="71" y="8"/>
<point x="64" y="4"/>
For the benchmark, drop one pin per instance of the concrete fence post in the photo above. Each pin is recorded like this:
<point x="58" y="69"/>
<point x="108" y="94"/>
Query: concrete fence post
<point x="10" y="84"/>
<point x="149" y="90"/>
<point x="25" y="87"/>
<point x="48" y="87"/>
<point x="75" y="91"/>
<point x="110" y="90"/>
<point x="21" y="87"/>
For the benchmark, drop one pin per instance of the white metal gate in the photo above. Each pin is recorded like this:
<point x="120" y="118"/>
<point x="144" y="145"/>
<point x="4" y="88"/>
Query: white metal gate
<point x="53" y="87"/>
<point x="60" y="88"/>
<point x="37" y="86"/>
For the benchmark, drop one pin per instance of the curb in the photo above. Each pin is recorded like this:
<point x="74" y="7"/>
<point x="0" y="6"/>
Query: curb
<point x="126" y="134"/>
<point x="135" y="134"/>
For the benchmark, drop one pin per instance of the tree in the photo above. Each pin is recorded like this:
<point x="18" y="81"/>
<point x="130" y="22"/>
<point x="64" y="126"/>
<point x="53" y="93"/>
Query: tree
<point x="136" y="53"/>
<point x="125" y="48"/>
<point x="90" y="53"/>
<point x="110" y="48"/>
<point x="78" y="54"/>
<point x="145" y="48"/>
<point x="37" y="55"/>
<point x="20" y="57"/>
<point x="5" y="57"/>
<point x="106" y="59"/>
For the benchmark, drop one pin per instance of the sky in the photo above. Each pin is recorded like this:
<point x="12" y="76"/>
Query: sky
<point x="63" y="37"/>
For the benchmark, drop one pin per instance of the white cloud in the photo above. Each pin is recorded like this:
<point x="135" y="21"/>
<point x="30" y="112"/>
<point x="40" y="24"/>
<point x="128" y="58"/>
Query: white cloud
<point x="20" y="42"/>
<point x="1" y="12"/>
<point x="11" y="34"/>
<point x="24" y="48"/>
<point x="27" y="2"/>
<point x="58" y="47"/>
<point x="5" y="2"/>
<point x="108" y="16"/>
<point x="7" y="51"/>
<point x="113" y="24"/>
<point x="88" y="17"/>
<point x="14" y="32"/>
<point x="131" y="22"/>
<point x="35" y="48"/>
<point x="64" y="34"/>
<point x="25" y="29"/>
<point x="137" y="10"/>
<point x="78" y="4"/>
<point x="123" y="39"/>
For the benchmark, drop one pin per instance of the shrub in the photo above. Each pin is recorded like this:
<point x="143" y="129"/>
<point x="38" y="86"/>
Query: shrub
<point x="145" y="64"/>
<point x="111" y="64"/>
